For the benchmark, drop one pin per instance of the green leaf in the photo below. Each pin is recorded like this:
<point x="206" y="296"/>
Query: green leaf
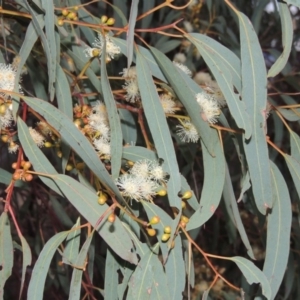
<point x="129" y="128"/>
<point x="278" y="232"/>
<point x="186" y="90"/>
<point x="65" y="105"/>
<point x="253" y="274"/>
<point x="159" y="128"/>
<point x="59" y="210"/>
<point x="75" y="139"/>
<point x="6" y="177"/>
<point x="6" y="252"/>
<point x="293" y="2"/>
<point x="149" y="281"/>
<point x="231" y="204"/>
<point x="295" y="145"/>
<point x="135" y="153"/>
<point x="76" y="281"/>
<point x="287" y="39"/>
<point x="73" y="242"/>
<point x="130" y="31"/>
<point x="40" y="270"/>
<point x="27" y="259"/>
<point x="214" y="176"/>
<point x="111" y="278"/>
<point x="85" y="201"/>
<point x="294" y="167"/>
<point x="51" y="62"/>
<point x="254" y="94"/>
<point x="113" y="119"/>
<point x="223" y="72"/>
<point x="174" y="270"/>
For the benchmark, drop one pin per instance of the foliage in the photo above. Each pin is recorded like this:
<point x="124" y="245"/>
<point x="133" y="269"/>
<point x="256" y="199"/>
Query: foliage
<point x="150" y="150"/>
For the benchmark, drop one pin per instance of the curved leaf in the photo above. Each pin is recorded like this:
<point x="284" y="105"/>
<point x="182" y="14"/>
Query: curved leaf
<point x="278" y="232"/>
<point x="253" y="274"/>
<point x="159" y="128"/>
<point x="287" y="39"/>
<point x="214" y="176"/>
<point x="40" y="270"/>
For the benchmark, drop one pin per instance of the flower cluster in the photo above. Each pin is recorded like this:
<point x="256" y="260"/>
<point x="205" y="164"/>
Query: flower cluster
<point x="183" y="68"/>
<point x="210" y="108"/>
<point x="98" y="122"/>
<point x="112" y="50"/>
<point x="168" y="103"/>
<point x="7" y="80"/>
<point x="131" y="84"/>
<point x="187" y="132"/>
<point x="142" y="180"/>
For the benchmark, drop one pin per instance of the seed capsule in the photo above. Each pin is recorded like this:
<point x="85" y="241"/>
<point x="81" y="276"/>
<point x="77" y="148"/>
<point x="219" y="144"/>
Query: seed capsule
<point x="167" y="229"/>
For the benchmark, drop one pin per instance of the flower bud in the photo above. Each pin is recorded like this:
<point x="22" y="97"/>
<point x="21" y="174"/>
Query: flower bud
<point x="111" y="218"/>
<point x="14" y="165"/>
<point x="64" y="12"/>
<point x="167" y="229"/>
<point x="48" y="144"/>
<point x="187" y="195"/>
<point x="69" y="167"/>
<point x="60" y="22"/>
<point x="28" y="177"/>
<point x="154" y="220"/>
<point x="104" y="19"/>
<point x="183" y="205"/>
<point x="16" y="176"/>
<point x="184" y="219"/>
<point x="26" y="165"/>
<point x="102" y="199"/>
<point x="151" y="231"/>
<point x="162" y="192"/>
<point x="165" y="237"/>
<point x="4" y="138"/>
<point x="110" y="21"/>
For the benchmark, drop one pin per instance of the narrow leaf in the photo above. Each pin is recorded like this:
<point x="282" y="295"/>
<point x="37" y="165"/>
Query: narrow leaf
<point x="159" y="128"/>
<point x="294" y="167"/>
<point x="253" y="274"/>
<point x="113" y="119"/>
<point x="6" y="252"/>
<point x="111" y="276"/>
<point x="254" y="94"/>
<point x="287" y="39"/>
<point x="130" y="31"/>
<point x="278" y="232"/>
<point x="295" y="145"/>
<point x="214" y="176"/>
<point x="41" y="267"/>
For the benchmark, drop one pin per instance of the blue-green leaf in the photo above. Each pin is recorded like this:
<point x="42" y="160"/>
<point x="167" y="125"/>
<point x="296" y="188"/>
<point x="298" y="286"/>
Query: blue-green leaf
<point x="111" y="276"/>
<point x="223" y="72"/>
<point x="135" y="153"/>
<point x="40" y="270"/>
<point x="287" y="39"/>
<point x="254" y="94"/>
<point x="80" y="264"/>
<point x="253" y="274"/>
<point x="186" y="89"/>
<point x="295" y="145"/>
<point x="159" y="128"/>
<point x="294" y="167"/>
<point x="6" y="251"/>
<point x="149" y="281"/>
<point x="130" y="31"/>
<point x="75" y="139"/>
<point x="214" y="176"/>
<point x="113" y="119"/>
<point x="129" y="128"/>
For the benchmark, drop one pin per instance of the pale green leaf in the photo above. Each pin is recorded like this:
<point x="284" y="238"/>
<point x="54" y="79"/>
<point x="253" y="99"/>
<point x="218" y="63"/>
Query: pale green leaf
<point x="278" y="232"/>
<point x="214" y="176"/>
<point x="135" y="153"/>
<point x="111" y="278"/>
<point x="295" y="145"/>
<point x="159" y="128"/>
<point x="287" y="39"/>
<point x="254" y="94"/>
<point x="253" y="274"/>
<point x="6" y="252"/>
<point x="129" y="128"/>
<point x="41" y="267"/>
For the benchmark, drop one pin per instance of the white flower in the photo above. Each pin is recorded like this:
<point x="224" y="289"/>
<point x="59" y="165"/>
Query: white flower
<point x="202" y="78"/>
<point x="6" y="119"/>
<point x="44" y="128"/>
<point x="184" y="68"/>
<point x="210" y="109"/>
<point x="37" y="137"/>
<point x="216" y="92"/>
<point x="157" y="173"/>
<point x="7" y="79"/>
<point x="13" y="147"/>
<point x="130" y="186"/>
<point x="129" y="73"/>
<point x="147" y="189"/>
<point x="180" y="58"/>
<point x="187" y="132"/>
<point x="111" y="49"/>
<point x="102" y="145"/>
<point x="169" y="106"/>
<point x="132" y="90"/>
<point x="141" y="168"/>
